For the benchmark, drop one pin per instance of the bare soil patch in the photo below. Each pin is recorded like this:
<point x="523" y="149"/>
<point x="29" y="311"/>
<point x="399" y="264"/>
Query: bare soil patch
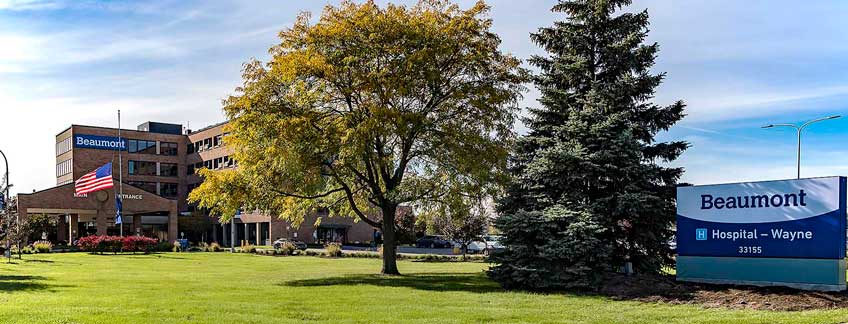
<point x="665" y="289"/>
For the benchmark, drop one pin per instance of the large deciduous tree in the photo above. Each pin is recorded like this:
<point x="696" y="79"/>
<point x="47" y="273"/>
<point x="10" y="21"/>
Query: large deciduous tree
<point x="590" y="191"/>
<point x="369" y="108"/>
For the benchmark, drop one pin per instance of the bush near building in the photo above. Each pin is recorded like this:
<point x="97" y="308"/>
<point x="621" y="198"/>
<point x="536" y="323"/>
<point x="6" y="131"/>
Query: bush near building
<point x="115" y="244"/>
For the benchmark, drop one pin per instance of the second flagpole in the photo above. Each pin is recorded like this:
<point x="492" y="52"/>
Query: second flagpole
<point x="120" y="175"/>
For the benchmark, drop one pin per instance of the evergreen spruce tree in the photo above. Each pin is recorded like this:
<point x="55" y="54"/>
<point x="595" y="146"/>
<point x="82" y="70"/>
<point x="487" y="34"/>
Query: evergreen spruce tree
<point x="589" y="192"/>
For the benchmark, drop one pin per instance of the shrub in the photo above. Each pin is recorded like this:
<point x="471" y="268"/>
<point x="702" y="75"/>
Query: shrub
<point x="287" y="249"/>
<point x="162" y="247"/>
<point x="250" y="248"/>
<point x="334" y="250"/>
<point x="177" y="247"/>
<point x="214" y="247"/>
<point x="100" y="244"/>
<point x="42" y="246"/>
<point x="138" y="244"/>
<point x="27" y="250"/>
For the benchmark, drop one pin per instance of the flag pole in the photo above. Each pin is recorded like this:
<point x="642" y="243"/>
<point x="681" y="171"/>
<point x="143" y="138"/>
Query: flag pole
<point x="120" y="173"/>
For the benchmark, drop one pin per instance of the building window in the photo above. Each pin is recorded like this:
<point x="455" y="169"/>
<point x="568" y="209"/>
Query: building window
<point x="168" y="190"/>
<point x="64" y="167"/>
<point x="142" y="146"/>
<point x="198" y="146"/>
<point x="167" y="148"/>
<point x="63" y="146"/>
<point x="207" y="144"/>
<point x="168" y="170"/>
<point x="190" y="169"/>
<point x="142" y="168"/>
<point x="229" y="162"/>
<point x="190" y="148"/>
<point x="144" y="185"/>
<point x="218" y="140"/>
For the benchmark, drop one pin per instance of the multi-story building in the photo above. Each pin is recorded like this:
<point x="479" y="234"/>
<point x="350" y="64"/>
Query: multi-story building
<point x="157" y="164"/>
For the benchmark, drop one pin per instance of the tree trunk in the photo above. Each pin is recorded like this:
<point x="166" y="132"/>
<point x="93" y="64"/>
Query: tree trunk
<point x="389" y="241"/>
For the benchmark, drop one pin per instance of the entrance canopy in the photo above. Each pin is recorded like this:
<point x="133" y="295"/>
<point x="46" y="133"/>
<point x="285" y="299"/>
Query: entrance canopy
<point x="98" y="207"/>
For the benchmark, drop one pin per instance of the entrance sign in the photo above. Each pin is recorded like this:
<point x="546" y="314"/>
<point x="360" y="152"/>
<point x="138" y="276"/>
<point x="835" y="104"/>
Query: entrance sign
<point x="787" y="232"/>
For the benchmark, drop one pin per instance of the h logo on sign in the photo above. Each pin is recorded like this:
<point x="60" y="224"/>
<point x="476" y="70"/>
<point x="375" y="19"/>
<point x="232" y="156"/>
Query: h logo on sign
<point x="700" y="234"/>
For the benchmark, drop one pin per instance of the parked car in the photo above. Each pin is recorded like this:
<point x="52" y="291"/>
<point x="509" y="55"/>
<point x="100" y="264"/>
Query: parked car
<point x="298" y="244"/>
<point x="493" y="243"/>
<point x="433" y="242"/>
<point x="474" y="247"/>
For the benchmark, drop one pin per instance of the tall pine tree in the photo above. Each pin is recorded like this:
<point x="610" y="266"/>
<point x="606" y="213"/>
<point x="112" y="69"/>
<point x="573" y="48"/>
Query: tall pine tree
<point x="589" y="192"/>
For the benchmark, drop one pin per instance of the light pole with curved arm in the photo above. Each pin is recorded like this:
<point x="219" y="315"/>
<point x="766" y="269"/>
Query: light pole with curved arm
<point x="799" y="129"/>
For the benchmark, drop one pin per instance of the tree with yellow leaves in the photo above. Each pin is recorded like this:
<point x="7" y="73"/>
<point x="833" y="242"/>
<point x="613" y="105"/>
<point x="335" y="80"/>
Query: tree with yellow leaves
<point x="368" y="109"/>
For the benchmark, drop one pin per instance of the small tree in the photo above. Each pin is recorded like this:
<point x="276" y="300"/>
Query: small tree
<point x="463" y="221"/>
<point x="14" y="229"/>
<point x="367" y="109"/>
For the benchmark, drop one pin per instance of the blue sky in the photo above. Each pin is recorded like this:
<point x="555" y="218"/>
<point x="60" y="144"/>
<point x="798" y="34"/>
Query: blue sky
<point x="737" y="64"/>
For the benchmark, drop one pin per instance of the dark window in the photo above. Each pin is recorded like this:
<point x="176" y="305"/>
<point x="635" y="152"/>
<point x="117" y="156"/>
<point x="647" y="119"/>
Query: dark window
<point x="142" y="146"/>
<point x="190" y="169"/>
<point x="168" y="190"/>
<point x="142" y="168"/>
<point x="198" y="146"/>
<point x="190" y="148"/>
<point x="144" y="185"/>
<point x="168" y="170"/>
<point x="167" y="148"/>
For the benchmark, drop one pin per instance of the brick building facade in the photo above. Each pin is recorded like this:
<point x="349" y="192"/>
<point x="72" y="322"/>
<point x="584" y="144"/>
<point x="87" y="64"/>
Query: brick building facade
<point x="157" y="163"/>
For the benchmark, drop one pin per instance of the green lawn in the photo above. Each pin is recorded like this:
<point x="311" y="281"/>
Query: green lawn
<point x="241" y="288"/>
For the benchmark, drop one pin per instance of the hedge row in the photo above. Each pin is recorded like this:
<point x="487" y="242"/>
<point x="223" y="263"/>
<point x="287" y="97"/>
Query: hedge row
<point x="115" y="244"/>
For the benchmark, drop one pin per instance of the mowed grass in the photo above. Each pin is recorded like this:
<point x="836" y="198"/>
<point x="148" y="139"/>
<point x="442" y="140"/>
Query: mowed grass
<point x="241" y="288"/>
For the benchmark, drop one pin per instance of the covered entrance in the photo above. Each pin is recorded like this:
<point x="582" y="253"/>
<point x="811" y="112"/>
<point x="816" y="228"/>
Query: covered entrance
<point x="94" y="214"/>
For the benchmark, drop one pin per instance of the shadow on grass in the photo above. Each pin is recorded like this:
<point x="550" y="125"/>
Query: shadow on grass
<point x="38" y="261"/>
<point x="158" y="255"/>
<point x="466" y="282"/>
<point x="13" y="283"/>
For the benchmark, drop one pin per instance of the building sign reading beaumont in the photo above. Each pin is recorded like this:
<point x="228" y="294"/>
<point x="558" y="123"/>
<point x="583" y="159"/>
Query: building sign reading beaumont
<point x="787" y="232"/>
<point x="100" y="142"/>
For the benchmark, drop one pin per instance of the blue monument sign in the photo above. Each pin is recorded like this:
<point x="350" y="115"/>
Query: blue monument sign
<point x="784" y="233"/>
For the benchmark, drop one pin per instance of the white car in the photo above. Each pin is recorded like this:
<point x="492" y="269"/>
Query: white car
<point x="493" y="243"/>
<point x="474" y="247"/>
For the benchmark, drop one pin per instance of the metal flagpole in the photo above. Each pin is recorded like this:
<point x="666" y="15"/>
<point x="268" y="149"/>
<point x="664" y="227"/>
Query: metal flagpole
<point x="120" y="172"/>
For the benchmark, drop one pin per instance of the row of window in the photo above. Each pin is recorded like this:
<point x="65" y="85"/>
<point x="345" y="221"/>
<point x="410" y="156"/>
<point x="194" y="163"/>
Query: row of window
<point x="146" y="168"/>
<point x="63" y="146"/>
<point x="164" y="189"/>
<point x="64" y="167"/>
<point x="133" y="146"/>
<point x="214" y="164"/>
<point x="149" y="147"/>
<point x="206" y="144"/>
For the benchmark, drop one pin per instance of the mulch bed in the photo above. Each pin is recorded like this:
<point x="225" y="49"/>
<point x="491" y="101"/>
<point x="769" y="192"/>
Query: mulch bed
<point x="664" y="289"/>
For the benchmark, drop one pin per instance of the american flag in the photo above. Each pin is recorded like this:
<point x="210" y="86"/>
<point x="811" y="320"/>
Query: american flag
<point x="95" y="180"/>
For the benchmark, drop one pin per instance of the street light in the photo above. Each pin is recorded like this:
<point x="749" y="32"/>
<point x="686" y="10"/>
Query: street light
<point x="799" y="129"/>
